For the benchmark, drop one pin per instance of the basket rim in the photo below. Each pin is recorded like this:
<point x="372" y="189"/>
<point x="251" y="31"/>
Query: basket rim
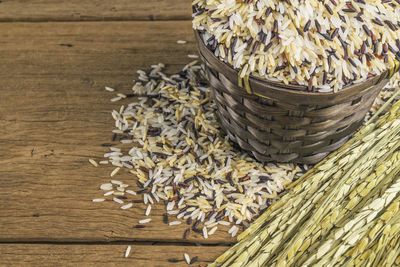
<point x="258" y="84"/>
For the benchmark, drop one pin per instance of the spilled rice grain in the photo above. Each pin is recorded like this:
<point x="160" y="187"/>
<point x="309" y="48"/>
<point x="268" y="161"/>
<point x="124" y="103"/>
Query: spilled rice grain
<point x="145" y="221"/>
<point x="128" y="251"/>
<point x="187" y="258"/>
<point x="127" y="206"/>
<point x="175" y="223"/>
<point x="93" y="162"/>
<point x="148" y="210"/>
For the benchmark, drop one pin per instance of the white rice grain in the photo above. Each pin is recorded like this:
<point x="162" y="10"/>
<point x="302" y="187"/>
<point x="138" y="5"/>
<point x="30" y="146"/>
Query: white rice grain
<point x="106" y="186"/>
<point x="128" y="251"/>
<point x="121" y="189"/>
<point x="115" y="99"/>
<point x="205" y="233"/>
<point x="173" y="212"/>
<point x="108" y="193"/>
<point x="119" y="201"/>
<point x="212" y="231"/>
<point x="187" y="258"/>
<point x="171" y="205"/>
<point x="127" y="206"/>
<point x="145" y="221"/>
<point x="148" y="210"/>
<point x="131" y="192"/>
<point x="224" y="223"/>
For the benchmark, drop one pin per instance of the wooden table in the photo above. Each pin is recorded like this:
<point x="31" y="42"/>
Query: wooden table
<point x="56" y="59"/>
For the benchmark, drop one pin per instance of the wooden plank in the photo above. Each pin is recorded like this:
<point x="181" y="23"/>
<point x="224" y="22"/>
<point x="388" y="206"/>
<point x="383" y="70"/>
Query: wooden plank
<point x="93" y="10"/>
<point x="101" y="255"/>
<point x="55" y="114"/>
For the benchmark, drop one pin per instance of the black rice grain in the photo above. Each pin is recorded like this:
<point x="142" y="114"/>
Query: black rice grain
<point x="194" y="259"/>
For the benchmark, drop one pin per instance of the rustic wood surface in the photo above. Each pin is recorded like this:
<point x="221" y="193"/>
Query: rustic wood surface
<point x="55" y="114"/>
<point x="104" y="255"/>
<point x="93" y="10"/>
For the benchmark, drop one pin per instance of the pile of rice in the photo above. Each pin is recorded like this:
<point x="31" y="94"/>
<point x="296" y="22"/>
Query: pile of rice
<point x="323" y="45"/>
<point x="170" y="140"/>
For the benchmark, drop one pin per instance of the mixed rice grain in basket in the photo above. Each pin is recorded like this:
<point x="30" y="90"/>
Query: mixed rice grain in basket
<point x="322" y="45"/>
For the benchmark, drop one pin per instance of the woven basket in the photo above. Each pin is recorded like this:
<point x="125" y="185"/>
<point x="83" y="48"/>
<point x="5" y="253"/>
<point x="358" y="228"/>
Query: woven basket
<point x="285" y="123"/>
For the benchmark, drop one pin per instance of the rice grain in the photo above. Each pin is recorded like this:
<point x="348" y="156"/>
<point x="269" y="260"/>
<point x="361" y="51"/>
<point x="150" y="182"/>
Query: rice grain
<point x="119" y="201"/>
<point x="106" y="186"/>
<point x="145" y="221"/>
<point x="187" y="258"/>
<point x="115" y="171"/>
<point x="127" y="206"/>
<point x="128" y="251"/>
<point x="148" y="210"/>
<point x="93" y="162"/>
<point x="175" y="223"/>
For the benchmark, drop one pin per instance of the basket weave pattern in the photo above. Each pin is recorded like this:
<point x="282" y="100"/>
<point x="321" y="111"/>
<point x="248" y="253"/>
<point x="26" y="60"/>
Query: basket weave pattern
<point x="284" y="123"/>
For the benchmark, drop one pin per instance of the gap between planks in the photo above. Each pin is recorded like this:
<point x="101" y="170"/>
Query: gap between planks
<point x="92" y="10"/>
<point x="139" y="243"/>
<point x="92" y="20"/>
<point x="104" y="255"/>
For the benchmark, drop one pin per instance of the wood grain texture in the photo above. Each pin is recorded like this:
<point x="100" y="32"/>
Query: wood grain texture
<point x="93" y="10"/>
<point x="105" y="255"/>
<point x="55" y="114"/>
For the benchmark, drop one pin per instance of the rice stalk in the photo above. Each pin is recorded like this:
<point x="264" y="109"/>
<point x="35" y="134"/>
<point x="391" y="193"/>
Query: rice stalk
<point x="375" y="252"/>
<point x="304" y="194"/>
<point x="363" y="170"/>
<point x="365" y="208"/>
<point x="317" y="227"/>
<point x="354" y="230"/>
